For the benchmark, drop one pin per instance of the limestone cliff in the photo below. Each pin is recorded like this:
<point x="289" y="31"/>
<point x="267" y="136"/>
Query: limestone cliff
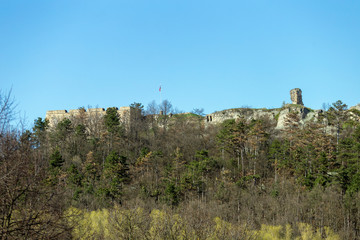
<point x="277" y="116"/>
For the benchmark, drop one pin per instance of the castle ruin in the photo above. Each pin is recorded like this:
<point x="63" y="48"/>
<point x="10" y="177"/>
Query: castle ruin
<point x="126" y="114"/>
<point x="296" y="96"/>
<point x="277" y="115"/>
<point x="129" y="115"/>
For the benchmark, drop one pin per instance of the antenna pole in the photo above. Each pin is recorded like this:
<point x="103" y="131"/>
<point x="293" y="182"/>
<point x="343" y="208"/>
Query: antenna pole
<point x="160" y="94"/>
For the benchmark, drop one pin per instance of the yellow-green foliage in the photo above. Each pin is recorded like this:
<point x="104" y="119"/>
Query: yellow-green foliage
<point x="89" y="225"/>
<point x="307" y="232"/>
<point x="222" y="229"/>
<point x="330" y="235"/>
<point x="221" y="226"/>
<point x="166" y="226"/>
<point x="161" y="225"/>
<point x="268" y="232"/>
<point x="127" y="224"/>
<point x="288" y="232"/>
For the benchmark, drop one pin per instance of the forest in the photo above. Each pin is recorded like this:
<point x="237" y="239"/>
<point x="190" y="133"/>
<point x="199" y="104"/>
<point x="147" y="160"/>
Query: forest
<point x="173" y="177"/>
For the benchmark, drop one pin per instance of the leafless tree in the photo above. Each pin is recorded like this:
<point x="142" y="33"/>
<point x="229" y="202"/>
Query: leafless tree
<point x="198" y="111"/>
<point x="166" y="107"/>
<point x="152" y="108"/>
<point x="7" y="110"/>
<point x="29" y="207"/>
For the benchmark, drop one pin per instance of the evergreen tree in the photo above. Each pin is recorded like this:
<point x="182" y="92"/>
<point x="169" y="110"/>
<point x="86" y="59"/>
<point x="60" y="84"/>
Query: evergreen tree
<point x="115" y="175"/>
<point x="56" y="160"/>
<point x="112" y="120"/>
<point x="337" y="115"/>
<point x="39" y="131"/>
<point x="233" y="137"/>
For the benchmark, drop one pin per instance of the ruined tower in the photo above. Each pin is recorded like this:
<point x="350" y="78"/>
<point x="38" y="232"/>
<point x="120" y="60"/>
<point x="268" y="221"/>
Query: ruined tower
<point x="296" y="96"/>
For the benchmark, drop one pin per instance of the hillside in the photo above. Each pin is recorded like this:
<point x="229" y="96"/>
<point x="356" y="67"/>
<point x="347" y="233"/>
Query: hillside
<point x="234" y="174"/>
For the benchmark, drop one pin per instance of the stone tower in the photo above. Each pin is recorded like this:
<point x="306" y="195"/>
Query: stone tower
<point x="296" y="96"/>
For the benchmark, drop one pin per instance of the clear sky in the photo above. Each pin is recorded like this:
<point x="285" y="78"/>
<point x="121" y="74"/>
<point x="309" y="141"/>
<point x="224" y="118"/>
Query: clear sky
<point x="215" y="55"/>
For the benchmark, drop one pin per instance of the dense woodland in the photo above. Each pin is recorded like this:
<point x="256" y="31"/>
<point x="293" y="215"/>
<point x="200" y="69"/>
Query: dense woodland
<point x="168" y="177"/>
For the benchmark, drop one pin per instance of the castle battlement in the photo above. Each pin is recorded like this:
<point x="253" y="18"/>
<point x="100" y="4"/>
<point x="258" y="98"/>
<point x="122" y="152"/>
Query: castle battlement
<point x="56" y="112"/>
<point x="96" y="110"/>
<point x="55" y="116"/>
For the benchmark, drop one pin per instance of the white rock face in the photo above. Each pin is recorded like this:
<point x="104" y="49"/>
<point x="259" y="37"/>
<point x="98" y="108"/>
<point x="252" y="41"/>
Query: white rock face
<point x="281" y="120"/>
<point x="357" y="107"/>
<point x="277" y="116"/>
<point x="246" y="113"/>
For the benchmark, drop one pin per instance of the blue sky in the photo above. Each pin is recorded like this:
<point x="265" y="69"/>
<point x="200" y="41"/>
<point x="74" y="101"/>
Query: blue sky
<point x="206" y="54"/>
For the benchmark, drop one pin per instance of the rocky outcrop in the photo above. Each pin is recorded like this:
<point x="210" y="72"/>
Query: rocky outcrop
<point x="277" y="116"/>
<point x="306" y="115"/>
<point x="356" y="107"/>
<point x="246" y="113"/>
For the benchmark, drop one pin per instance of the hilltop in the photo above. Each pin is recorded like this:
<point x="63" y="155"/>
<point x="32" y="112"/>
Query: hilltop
<point x="277" y="116"/>
<point x="232" y="174"/>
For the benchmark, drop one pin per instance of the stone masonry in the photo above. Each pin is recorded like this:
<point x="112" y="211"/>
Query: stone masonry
<point x="296" y="96"/>
<point x="55" y="116"/>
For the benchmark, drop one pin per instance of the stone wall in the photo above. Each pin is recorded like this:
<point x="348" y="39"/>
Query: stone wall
<point x="296" y="96"/>
<point x="89" y="115"/>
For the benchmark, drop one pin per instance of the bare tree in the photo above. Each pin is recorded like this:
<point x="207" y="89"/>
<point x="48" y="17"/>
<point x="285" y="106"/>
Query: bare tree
<point x="198" y="111"/>
<point x="152" y="108"/>
<point x="7" y="110"/>
<point x="166" y="107"/>
<point x="30" y="208"/>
